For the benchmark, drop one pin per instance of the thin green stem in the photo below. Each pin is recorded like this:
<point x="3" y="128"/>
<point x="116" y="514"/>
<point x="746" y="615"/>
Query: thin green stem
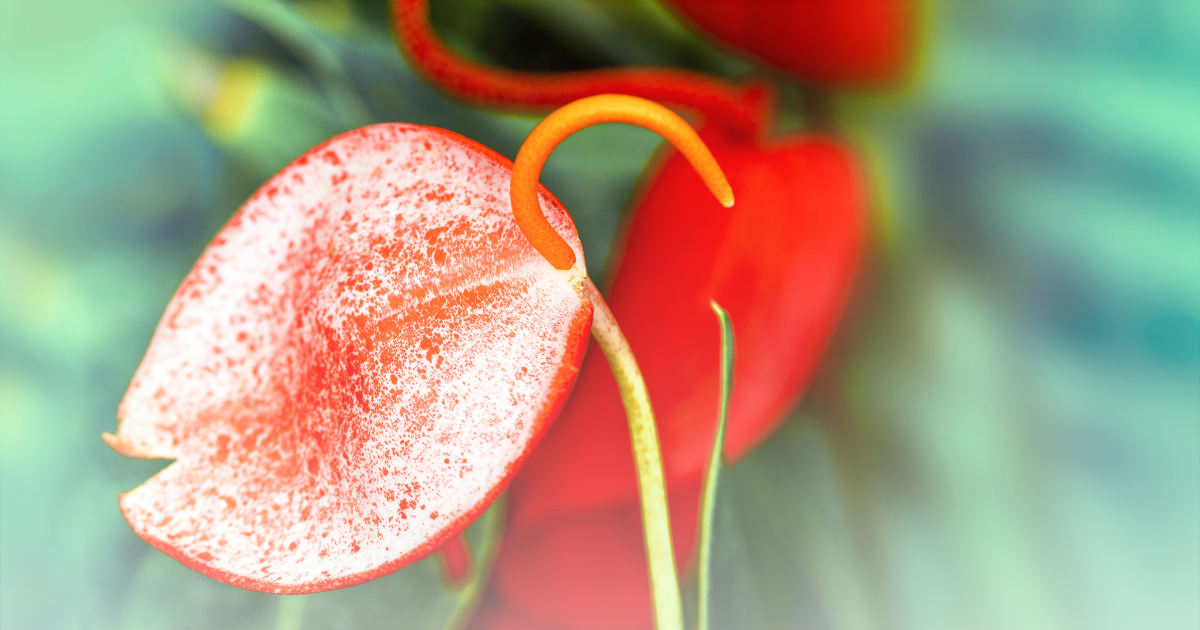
<point x="709" y="498"/>
<point x="652" y="490"/>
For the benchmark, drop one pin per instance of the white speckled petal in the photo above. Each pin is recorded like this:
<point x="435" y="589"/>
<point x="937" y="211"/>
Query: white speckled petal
<point x="354" y="368"/>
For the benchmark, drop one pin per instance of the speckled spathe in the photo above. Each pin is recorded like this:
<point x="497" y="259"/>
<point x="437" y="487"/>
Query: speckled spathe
<point x="354" y="368"/>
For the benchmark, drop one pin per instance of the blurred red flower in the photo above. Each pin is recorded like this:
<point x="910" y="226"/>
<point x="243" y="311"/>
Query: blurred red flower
<point x="831" y="42"/>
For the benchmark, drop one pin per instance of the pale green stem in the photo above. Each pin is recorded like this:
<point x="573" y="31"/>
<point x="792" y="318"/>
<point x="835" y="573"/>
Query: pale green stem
<point x="709" y="497"/>
<point x="652" y="490"/>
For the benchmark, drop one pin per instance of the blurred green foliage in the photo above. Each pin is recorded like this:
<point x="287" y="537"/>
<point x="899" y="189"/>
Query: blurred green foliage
<point x="1005" y="435"/>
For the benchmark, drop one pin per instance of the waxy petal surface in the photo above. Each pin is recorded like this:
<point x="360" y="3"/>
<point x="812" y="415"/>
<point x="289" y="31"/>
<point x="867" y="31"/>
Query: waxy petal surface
<point x="354" y="368"/>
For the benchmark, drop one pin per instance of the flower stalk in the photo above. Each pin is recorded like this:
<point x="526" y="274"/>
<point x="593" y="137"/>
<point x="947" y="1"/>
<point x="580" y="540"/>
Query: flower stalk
<point x="708" y="497"/>
<point x="652" y="489"/>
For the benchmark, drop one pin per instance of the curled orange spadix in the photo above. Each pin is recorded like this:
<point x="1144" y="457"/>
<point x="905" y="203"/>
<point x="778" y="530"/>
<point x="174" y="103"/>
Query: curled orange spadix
<point x="583" y="113"/>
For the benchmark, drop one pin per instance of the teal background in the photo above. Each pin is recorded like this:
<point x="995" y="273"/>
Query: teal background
<point x="1006" y="433"/>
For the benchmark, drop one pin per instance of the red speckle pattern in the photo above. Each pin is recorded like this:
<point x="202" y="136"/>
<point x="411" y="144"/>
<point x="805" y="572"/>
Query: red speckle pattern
<point x="354" y="368"/>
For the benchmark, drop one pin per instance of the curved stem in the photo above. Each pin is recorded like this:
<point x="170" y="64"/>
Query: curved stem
<point x="584" y="113"/>
<point x="652" y="490"/>
<point x="708" y="496"/>
<point x="737" y="107"/>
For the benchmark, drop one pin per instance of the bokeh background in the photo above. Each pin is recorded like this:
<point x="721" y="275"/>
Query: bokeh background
<point x="1005" y="435"/>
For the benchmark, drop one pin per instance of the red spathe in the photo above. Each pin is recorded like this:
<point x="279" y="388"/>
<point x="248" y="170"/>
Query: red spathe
<point x="354" y="368"/>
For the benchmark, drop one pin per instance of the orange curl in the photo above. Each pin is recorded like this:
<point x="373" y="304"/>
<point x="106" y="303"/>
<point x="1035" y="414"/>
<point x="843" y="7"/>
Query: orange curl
<point x="583" y="113"/>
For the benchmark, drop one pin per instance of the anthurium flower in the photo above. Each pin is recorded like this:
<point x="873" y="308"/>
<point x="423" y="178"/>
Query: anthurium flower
<point x="355" y="366"/>
<point x="833" y="42"/>
<point x="375" y="335"/>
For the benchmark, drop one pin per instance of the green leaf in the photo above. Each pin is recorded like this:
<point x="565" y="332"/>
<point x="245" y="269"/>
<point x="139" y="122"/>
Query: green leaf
<point x="166" y="594"/>
<point x="712" y="475"/>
